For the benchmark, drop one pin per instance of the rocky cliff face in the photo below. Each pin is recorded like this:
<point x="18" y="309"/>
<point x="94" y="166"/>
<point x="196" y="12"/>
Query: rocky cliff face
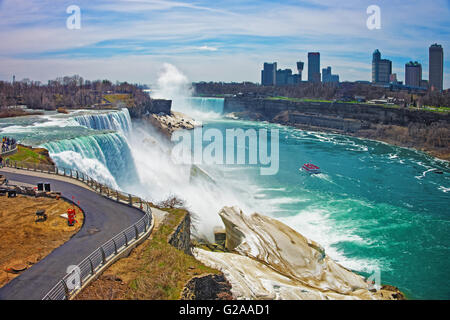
<point x="168" y="123"/>
<point x="423" y="130"/>
<point x="181" y="237"/>
<point x="155" y="106"/>
<point x="269" y="260"/>
<point x="207" y="287"/>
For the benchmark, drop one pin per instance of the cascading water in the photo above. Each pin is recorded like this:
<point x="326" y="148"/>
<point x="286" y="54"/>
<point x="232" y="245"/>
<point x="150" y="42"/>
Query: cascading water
<point x="106" y="157"/>
<point x="117" y="121"/>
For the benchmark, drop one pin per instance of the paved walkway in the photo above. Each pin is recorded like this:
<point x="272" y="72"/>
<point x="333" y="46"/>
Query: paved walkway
<point x="103" y="220"/>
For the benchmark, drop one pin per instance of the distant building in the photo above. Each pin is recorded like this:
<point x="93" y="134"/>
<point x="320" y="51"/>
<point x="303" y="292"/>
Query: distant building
<point x="313" y="67"/>
<point x="436" y="65"/>
<point x="424" y="84"/>
<point x="381" y="69"/>
<point x="269" y="74"/>
<point x="413" y="74"/>
<point x="284" y="77"/>
<point x="328" y="77"/>
<point x="300" y="66"/>
<point x="393" y="78"/>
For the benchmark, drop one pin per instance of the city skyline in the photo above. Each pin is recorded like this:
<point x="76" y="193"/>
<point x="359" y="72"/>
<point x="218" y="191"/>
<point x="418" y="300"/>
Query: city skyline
<point x="221" y="41"/>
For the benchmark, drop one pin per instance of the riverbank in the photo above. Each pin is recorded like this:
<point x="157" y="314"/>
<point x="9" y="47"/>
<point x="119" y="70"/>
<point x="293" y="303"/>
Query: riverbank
<point x="17" y="112"/>
<point x="419" y="129"/>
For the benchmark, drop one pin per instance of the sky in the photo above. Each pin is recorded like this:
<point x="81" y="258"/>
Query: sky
<point x="215" y="40"/>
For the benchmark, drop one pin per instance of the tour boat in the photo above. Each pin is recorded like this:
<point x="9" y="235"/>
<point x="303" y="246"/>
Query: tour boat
<point x="310" y="168"/>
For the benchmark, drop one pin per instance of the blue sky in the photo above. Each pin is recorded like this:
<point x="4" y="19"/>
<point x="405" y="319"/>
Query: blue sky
<point x="129" y="40"/>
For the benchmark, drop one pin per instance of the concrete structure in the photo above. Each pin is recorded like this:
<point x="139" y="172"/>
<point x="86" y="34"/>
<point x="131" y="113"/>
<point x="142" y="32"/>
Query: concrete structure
<point x="314" y="67"/>
<point x="413" y="74"/>
<point x="328" y="77"/>
<point x="381" y="68"/>
<point x="269" y="74"/>
<point x="436" y="67"/>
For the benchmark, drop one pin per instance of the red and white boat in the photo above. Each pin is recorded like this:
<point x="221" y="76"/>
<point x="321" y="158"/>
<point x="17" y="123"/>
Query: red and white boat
<point x="310" y="168"/>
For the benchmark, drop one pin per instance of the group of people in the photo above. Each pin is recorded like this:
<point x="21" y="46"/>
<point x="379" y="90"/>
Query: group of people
<point x="8" y="144"/>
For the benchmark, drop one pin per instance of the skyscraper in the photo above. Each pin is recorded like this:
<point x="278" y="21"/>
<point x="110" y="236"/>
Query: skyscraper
<point x="314" y="67"/>
<point x="269" y="74"/>
<point x="413" y="74"/>
<point x="381" y="68"/>
<point x="436" y="65"/>
<point x="300" y="66"/>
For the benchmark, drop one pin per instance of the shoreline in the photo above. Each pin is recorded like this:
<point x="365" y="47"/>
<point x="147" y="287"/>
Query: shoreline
<point x="420" y="130"/>
<point x="429" y="153"/>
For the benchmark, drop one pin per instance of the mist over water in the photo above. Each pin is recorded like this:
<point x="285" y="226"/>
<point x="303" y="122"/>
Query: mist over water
<point x="172" y="84"/>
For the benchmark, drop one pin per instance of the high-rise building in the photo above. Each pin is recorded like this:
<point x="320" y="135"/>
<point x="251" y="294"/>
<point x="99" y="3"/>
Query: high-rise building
<point x="314" y="67"/>
<point x="436" y="65"/>
<point x="284" y="77"/>
<point x="269" y="74"/>
<point x="413" y="74"/>
<point x="328" y="77"/>
<point x="381" y="68"/>
<point x="300" y="66"/>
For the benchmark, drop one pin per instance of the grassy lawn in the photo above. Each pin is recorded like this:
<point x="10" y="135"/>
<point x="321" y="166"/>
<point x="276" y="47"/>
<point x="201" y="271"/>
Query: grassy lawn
<point x="298" y="99"/>
<point x="33" y="155"/>
<point x="127" y="99"/>
<point x="437" y="109"/>
<point x="154" y="270"/>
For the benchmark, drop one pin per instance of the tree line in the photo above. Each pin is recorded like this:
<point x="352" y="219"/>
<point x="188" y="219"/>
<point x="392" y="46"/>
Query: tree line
<point x="66" y="92"/>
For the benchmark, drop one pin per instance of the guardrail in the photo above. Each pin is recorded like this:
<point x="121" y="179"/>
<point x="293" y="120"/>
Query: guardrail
<point x="110" y="251"/>
<point x="8" y="151"/>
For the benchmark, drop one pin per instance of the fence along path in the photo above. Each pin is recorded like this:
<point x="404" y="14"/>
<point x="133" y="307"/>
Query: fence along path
<point x="112" y="249"/>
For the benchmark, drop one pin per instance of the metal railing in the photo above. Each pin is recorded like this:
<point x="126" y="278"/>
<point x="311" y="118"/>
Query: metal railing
<point x="87" y="269"/>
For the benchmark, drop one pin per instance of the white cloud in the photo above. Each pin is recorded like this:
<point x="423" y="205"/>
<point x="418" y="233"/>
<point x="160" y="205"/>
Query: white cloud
<point x="206" y="48"/>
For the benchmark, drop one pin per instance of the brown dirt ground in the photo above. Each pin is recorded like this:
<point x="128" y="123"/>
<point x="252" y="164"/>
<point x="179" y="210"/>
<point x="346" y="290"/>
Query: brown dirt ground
<point x="23" y="242"/>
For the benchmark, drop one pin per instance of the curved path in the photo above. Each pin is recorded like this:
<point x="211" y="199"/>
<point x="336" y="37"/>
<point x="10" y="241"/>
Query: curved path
<point x="103" y="219"/>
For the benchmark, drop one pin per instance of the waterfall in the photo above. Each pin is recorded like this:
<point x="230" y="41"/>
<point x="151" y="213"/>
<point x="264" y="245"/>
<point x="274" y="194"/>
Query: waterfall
<point x="208" y="104"/>
<point x="106" y="157"/>
<point x="200" y="108"/>
<point x="117" y="121"/>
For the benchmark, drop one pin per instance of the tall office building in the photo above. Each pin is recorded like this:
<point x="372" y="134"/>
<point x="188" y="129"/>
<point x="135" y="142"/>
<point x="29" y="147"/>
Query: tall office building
<point x="413" y="74"/>
<point x="300" y="66"/>
<point x="314" y="67"/>
<point x="269" y="74"/>
<point x="436" y="65"/>
<point x="381" y="68"/>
